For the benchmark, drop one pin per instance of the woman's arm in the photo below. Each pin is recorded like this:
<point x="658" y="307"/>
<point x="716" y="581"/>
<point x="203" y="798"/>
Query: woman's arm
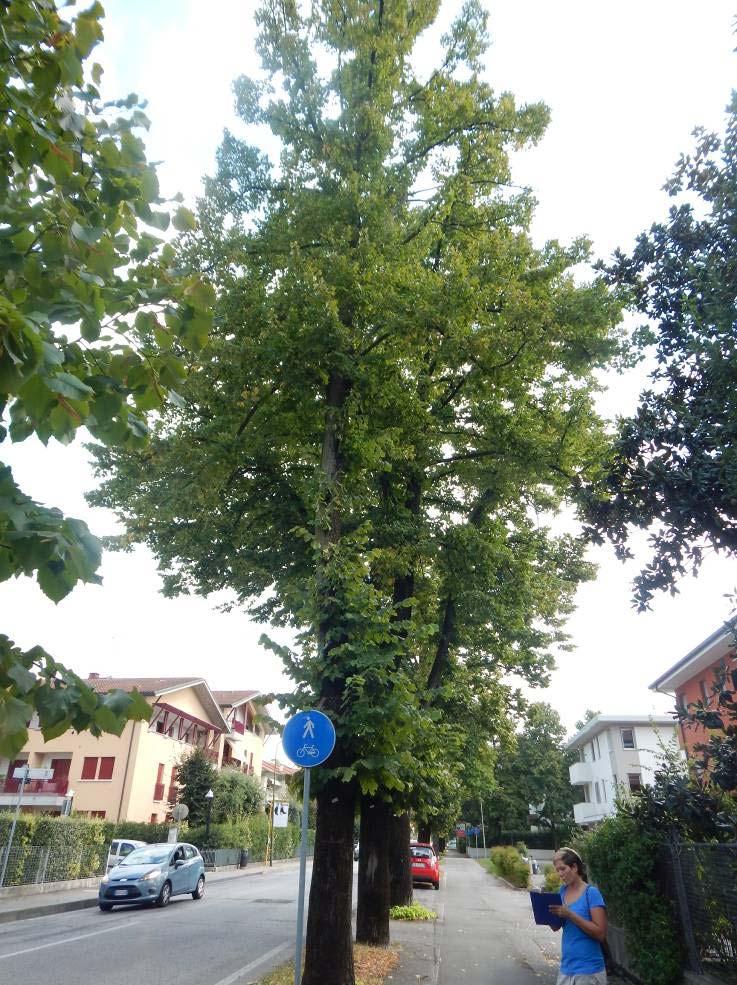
<point x="596" y="927"/>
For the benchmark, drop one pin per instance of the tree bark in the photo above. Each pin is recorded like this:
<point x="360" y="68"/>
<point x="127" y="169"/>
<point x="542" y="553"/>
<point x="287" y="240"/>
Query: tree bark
<point x="372" y="916"/>
<point x="424" y="832"/>
<point x="329" y="955"/>
<point x="400" y="863"/>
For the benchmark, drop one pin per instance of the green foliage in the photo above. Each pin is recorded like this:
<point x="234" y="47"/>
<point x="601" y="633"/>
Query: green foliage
<point x="521" y="847"/>
<point x="672" y="471"/>
<point x="551" y="883"/>
<point x="251" y="833"/>
<point x="533" y="839"/>
<point x="196" y="776"/>
<point x="77" y="847"/>
<point x="509" y="864"/>
<point x="143" y="831"/>
<point x="92" y="318"/>
<point x="415" y="911"/>
<point x="236" y="795"/>
<point x="622" y="857"/>
<point x="461" y="845"/>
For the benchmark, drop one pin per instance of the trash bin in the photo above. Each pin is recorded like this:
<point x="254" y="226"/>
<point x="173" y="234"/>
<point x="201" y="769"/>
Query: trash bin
<point x="244" y="858"/>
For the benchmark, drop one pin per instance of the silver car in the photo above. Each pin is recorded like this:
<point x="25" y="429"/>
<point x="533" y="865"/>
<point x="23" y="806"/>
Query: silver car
<point x="154" y="874"/>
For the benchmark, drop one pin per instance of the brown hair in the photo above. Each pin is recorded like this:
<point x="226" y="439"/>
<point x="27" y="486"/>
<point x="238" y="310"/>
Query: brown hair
<point x="572" y="858"/>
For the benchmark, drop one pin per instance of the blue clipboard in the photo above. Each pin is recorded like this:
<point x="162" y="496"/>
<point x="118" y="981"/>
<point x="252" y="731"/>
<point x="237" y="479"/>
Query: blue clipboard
<point x="540" y="903"/>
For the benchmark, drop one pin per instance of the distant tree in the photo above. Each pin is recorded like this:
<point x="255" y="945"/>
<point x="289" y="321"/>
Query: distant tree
<point x="588" y="715"/>
<point x="236" y="796"/>
<point x="195" y="776"/>
<point x="92" y="318"/>
<point x="673" y="470"/>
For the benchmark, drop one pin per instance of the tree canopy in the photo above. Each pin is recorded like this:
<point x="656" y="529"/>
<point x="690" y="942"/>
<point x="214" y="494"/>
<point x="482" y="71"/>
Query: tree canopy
<point x="673" y="469"/>
<point x="91" y="312"/>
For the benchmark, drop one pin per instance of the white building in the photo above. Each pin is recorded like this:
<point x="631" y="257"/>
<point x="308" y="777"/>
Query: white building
<point x="616" y="752"/>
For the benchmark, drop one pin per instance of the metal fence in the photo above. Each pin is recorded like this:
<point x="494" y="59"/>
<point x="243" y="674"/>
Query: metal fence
<point x="701" y="879"/>
<point x="213" y="857"/>
<point x="26" y="865"/>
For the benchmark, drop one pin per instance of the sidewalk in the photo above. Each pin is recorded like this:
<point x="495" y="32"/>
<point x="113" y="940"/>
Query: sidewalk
<point x="43" y="904"/>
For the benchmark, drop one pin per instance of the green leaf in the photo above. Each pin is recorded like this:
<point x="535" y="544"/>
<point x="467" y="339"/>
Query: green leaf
<point x="87" y="234"/>
<point x="184" y="220"/>
<point x="69" y="386"/>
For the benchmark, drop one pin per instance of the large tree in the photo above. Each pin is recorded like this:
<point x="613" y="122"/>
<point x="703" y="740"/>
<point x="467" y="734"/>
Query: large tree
<point x="90" y="310"/>
<point x="398" y="387"/>
<point x="673" y="469"/>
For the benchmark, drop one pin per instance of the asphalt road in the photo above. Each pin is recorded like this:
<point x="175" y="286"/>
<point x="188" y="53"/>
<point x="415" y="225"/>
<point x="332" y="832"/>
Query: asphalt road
<point x="241" y="929"/>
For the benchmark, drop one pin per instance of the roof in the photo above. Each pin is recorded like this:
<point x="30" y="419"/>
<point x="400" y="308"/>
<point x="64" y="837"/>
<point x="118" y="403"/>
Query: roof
<point x="158" y="686"/>
<point x="713" y="648"/>
<point x="602" y="722"/>
<point x="232" y="699"/>
<point x="281" y="769"/>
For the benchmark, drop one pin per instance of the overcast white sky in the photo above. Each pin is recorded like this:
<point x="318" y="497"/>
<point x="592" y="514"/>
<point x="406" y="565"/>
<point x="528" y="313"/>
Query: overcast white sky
<point x="626" y="84"/>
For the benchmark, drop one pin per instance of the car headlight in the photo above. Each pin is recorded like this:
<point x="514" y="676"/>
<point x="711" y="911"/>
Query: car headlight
<point x="152" y="875"/>
<point x="105" y="878"/>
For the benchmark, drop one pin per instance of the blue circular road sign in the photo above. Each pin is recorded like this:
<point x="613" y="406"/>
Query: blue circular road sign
<point x="308" y="738"/>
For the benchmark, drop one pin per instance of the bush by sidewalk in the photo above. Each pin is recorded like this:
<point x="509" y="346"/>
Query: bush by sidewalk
<point x="508" y="863"/>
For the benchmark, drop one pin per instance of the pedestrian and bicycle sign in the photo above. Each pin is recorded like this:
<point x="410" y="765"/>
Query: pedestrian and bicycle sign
<point x="308" y="738"/>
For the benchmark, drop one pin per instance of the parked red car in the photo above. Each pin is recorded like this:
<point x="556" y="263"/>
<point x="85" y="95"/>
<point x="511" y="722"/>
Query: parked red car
<point x="425" y="863"/>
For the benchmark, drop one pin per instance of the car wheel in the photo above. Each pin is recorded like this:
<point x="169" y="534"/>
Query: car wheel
<point x="165" y="895"/>
<point x="437" y="884"/>
<point x="105" y="907"/>
<point x="199" y="890"/>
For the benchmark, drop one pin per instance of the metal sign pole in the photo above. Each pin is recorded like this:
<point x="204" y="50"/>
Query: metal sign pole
<point x="483" y="829"/>
<point x="302" y="872"/>
<point x="12" y="826"/>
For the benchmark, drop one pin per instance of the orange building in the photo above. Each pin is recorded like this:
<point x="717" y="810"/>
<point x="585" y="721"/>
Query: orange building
<point x="692" y="679"/>
<point x="133" y="776"/>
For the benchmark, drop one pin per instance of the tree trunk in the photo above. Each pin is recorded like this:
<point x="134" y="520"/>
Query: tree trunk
<point x="329" y="954"/>
<point x="400" y="863"/>
<point x="372" y="916"/>
<point x="424" y="832"/>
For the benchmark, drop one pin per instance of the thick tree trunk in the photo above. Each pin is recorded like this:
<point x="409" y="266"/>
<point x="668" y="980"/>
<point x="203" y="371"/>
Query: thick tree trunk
<point x="372" y="916"/>
<point x="424" y="832"/>
<point x="400" y="862"/>
<point x="329" y="954"/>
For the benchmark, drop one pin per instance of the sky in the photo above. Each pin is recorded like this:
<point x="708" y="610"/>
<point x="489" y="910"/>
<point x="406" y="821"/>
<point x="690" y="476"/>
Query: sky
<point x="626" y="84"/>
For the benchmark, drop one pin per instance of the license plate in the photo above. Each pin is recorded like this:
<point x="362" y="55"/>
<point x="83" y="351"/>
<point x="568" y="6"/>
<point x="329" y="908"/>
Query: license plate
<point x="418" y="865"/>
<point x="120" y="892"/>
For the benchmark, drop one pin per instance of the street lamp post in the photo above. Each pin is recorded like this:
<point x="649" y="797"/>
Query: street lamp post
<point x="208" y="797"/>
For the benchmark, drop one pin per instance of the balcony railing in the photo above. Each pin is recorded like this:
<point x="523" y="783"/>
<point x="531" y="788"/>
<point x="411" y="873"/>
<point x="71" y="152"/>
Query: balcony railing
<point x="58" y="787"/>
<point x="158" y="791"/>
<point x="239" y="727"/>
<point x="232" y="764"/>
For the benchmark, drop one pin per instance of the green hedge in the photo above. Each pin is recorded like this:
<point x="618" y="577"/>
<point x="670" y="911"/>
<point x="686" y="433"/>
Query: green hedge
<point x="77" y="848"/>
<point x="141" y="831"/>
<point x="533" y="839"/>
<point x="623" y="859"/>
<point x="509" y="864"/>
<point x="251" y="833"/>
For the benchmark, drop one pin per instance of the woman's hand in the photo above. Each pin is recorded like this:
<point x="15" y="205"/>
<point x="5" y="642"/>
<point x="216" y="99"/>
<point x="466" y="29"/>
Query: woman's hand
<point x="560" y="911"/>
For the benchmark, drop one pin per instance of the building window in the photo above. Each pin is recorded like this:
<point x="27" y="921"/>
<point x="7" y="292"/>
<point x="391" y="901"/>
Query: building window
<point x="635" y="781"/>
<point x="154" y="819"/>
<point x="680" y="701"/>
<point x="733" y="675"/>
<point x="628" y="738"/>
<point x="598" y="792"/>
<point x="603" y="789"/>
<point x="593" y="752"/>
<point x="598" y="748"/>
<point x="90" y="768"/>
<point x="704" y="692"/>
<point x="100" y="815"/>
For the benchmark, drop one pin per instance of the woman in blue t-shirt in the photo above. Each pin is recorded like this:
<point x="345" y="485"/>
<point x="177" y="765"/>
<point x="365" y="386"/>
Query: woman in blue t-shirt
<point x="583" y="912"/>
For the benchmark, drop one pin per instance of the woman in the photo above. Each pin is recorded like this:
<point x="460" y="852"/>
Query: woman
<point x="582" y="910"/>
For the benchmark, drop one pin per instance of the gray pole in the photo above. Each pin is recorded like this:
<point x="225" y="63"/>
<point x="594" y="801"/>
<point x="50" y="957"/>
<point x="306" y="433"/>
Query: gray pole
<point x="12" y="826"/>
<point x="483" y="829"/>
<point x="302" y="872"/>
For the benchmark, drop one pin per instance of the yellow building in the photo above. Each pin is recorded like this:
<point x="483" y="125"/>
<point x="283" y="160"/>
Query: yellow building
<point x="133" y="776"/>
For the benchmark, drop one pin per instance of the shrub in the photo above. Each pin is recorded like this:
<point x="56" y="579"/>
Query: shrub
<point x="532" y="839"/>
<point x="141" y="831"/>
<point x="509" y="864"/>
<point x="461" y="844"/>
<point x="414" y="912"/>
<point x="77" y="847"/>
<point x="521" y="847"/>
<point x="552" y="881"/>
<point x="623" y="857"/>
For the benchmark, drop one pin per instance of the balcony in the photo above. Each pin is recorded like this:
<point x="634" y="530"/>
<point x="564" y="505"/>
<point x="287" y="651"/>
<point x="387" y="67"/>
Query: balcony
<point x="580" y="774"/>
<point x="239" y="727"/>
<point x="229" y="763"/>
<point x="590" y="813"/>
<point x="158" y="791"/>
<point x="55" y="787"/>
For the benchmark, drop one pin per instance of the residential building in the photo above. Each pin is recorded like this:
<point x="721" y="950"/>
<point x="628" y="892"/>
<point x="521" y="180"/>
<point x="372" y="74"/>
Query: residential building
<point x="133" y="776"/>
<point x="615" y="753"/>
<point x="692" y="678"/>
<point x="274" y="776"/>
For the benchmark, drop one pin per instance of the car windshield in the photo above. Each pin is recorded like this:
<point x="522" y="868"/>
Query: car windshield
<point x="421" y="852"/>
<point x="147" y="856"/>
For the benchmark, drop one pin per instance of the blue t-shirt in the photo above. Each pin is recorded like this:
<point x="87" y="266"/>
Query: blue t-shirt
<point x="581" y="954"/>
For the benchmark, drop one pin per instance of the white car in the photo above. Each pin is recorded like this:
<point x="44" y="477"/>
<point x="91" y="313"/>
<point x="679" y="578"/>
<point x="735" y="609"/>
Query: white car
<point x="120" y="848"/>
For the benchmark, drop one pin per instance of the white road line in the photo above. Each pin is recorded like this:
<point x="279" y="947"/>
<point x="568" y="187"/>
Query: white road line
<point x="66" y="940"/>
<point x="232" y="979"/>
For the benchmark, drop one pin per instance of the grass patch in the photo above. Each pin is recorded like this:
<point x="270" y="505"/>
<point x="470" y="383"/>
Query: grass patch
<point x="414" y="912"/>
<point x="488" y="864"/>
<point x="372" y="965"/>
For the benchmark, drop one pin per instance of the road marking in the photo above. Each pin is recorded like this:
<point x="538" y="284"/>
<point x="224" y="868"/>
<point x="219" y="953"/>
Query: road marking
<point x="67" y="940"/>
<point x="232" y="979"/>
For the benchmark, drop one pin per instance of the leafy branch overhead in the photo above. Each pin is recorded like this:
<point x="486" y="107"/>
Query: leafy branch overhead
<point x="94" y="314"/>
